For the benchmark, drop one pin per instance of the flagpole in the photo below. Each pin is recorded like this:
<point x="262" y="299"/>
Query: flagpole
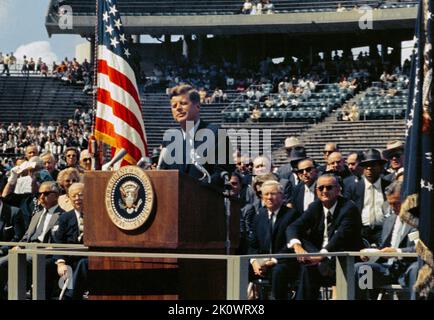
<point x="96" y="145"/>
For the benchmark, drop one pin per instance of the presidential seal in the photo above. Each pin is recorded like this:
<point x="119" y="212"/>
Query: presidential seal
<point x="129" y="198"/>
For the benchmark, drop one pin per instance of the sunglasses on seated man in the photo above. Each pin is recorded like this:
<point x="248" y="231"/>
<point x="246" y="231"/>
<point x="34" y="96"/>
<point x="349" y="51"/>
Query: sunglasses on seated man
<point x="328" y="188"/>
<point x="307" y="170"/>
<point x="45" y="193"/>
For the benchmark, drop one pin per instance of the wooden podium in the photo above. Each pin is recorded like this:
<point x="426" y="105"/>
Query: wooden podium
<point x="187" y="217"/>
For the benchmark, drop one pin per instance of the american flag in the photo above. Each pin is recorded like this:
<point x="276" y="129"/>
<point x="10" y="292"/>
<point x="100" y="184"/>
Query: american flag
<point x="118" y="120"/>
<point x="418" y="191"/>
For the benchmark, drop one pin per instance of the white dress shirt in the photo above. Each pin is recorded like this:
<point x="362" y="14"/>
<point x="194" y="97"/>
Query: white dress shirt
<point x="378" y="203"/>
<point x="309" y="196"/>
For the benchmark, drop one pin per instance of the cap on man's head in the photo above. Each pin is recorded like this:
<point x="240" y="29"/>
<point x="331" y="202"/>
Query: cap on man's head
<point x="393" y="147"/>
<point x="292" y="142"/>
<point x="372" y="156"/>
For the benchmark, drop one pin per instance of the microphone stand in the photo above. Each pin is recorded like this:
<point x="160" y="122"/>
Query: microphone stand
<point x="227" y="202"/>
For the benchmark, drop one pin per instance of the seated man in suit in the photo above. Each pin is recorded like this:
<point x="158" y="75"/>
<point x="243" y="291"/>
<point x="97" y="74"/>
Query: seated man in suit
<point x="368" y="195"/>
<point x="41" y="229"/>
<point x="269" y="237"/>
<point x="71" y="231"/>
<point x="396" y="237"/>
<point x="183" y="149"/>
<point x="11" y="225"/>
<point x="304" y="193"/>
<point x="331" y="223"/>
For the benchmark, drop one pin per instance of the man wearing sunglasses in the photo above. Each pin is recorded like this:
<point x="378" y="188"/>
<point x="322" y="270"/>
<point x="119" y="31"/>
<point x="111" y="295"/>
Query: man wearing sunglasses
<point x="331" y="223"/>
<point x="41" y="229"/>
<point x="394" y="153"/>
<point x="304" y="193"/>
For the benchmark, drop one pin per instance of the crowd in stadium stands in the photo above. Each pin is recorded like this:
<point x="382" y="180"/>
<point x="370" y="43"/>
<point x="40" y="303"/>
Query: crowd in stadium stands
<point x="52" y="137"/>
<point x="70" y="71"/>
<point x="257" y="7"/>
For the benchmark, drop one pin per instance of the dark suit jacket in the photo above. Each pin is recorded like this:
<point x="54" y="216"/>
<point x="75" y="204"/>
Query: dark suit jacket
<point x="52" y="226"/>
<point x="67" y="232"/>
<point x="260" y="242"/>
<point x="23" y="201"/>
<point x="11" y="226"/>
<point x="297" y="198"/>
<point x="345" y="231"/>
<point x="356" y="191"/>
<point x="214" y="169"/>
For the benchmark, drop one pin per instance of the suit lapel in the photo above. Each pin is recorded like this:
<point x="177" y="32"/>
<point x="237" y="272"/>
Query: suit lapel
<point x="33" y="224"/>
<point x="360" y="191"/>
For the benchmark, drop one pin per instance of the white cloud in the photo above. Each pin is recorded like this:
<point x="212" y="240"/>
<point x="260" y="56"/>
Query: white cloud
<point x="35" y="50"/>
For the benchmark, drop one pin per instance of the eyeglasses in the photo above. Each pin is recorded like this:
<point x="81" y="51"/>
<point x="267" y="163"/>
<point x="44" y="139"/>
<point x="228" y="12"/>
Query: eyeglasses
<point x="87" y="159"/>
<point x="307" y="170"/>
<point x="328" y="188"/>
<point x="45" y="193"/>
<point x="327" y="152"/>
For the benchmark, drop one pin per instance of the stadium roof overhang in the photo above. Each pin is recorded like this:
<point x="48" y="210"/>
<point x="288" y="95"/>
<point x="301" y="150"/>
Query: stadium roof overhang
<point x="290" y="23"/>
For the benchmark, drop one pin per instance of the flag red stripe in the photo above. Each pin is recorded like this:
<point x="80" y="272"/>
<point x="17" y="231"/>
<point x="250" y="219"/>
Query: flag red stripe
<point x="108" y="128"/>
<point x="121" y="112"/>
<point x="119" y="79"/>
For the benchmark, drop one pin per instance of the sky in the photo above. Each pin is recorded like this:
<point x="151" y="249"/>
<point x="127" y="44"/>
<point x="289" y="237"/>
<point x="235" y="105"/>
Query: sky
<point x="23" y="32"/>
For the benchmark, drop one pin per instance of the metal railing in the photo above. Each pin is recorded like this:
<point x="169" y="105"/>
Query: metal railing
<point x="237" y="267"/>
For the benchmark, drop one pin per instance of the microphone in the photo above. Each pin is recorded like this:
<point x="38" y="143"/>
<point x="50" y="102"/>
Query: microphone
<point x="224" y="175"/>
<point x="143" y="162"/>
<point x="117" y="157"/>
<point x="161" y="158"/>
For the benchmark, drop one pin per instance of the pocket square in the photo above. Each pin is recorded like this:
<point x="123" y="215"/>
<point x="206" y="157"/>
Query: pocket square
<point x="55" y="228"/>
<point x="7" y="228"/>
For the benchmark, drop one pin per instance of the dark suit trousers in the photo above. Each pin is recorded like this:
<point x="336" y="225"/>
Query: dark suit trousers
<point x="372" y="235"/>
<point x="79" y="280"/>
<point x="311" y="279"/>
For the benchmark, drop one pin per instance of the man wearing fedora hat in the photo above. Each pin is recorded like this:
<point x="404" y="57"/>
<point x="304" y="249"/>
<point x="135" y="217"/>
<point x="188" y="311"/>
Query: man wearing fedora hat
<point x="395" y="154"/>
<point x="369" y="195"/>
<point x="295" y="151"/>
<point x="292" y="144"/>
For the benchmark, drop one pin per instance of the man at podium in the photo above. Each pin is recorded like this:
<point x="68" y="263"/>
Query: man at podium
<point x="198" y="149"/>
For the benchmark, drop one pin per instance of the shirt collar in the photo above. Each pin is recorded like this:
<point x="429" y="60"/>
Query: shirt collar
<point x="376" y="184"/>
<point x="192" y="130"/>
<point x="332" y="209"/>
<point x="52" y="209"/>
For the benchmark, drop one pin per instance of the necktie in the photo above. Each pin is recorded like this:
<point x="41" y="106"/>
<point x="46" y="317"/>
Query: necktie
<point x="80" y="228"/>
<point x="40" y="227"/>
<point x="329" y="221"/>
<point x="270" y="228"/>
<point x="372" y="209"/>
